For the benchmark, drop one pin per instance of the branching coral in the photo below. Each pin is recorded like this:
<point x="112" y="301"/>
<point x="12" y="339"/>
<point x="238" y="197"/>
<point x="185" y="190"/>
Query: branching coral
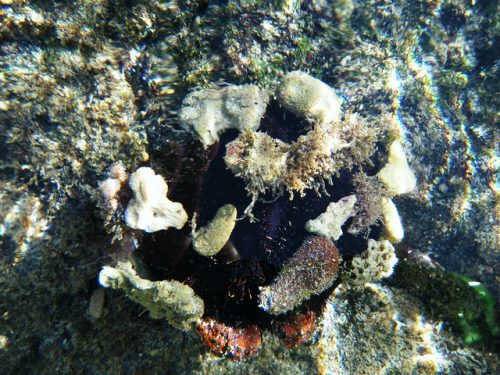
<point x="329" y="223"/>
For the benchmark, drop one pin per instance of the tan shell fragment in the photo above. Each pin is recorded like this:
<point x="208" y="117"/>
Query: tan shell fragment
<point x="210" y="239"/>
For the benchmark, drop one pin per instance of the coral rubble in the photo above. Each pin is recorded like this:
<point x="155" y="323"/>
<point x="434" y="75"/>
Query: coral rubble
<point x="110" y="187"/>
<point x="267" y="164"/>
<point x="376" y="262"/>
<point x="150" y="210"/>
<point x="307" y="96"/>
<point x="236" y="343"/>
<point x="96" y="303"/>
<point x="393" y="228"/>
<point x="396" y="174"/>
<point x="298" y="329"/>
<point x="329" y="223"/>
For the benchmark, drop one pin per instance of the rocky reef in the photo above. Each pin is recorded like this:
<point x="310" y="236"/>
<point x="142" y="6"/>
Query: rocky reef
<point x="164" y="164"/>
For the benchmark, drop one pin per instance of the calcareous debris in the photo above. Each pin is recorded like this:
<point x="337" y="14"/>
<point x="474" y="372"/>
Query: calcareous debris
<point x="150" y="210"/>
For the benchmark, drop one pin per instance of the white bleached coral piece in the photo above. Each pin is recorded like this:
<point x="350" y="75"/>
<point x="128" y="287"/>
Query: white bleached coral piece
<point x="211" y="111"/>
<point x="329" y="223"/>
<point x="209" y="240"/>
<point x="397" y="175"/>
<point x="150" y="210"/>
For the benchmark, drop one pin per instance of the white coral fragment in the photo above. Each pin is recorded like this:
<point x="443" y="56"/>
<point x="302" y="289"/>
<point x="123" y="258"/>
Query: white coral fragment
<point x="375" y="263"/>
<point x="150" y="210"/>
<point x="397" y="175"/>
<point x="309" y="97"/>
<point x="329" y="223"/>
<point x="211" y="111"/>
<point x="393" y="227"/>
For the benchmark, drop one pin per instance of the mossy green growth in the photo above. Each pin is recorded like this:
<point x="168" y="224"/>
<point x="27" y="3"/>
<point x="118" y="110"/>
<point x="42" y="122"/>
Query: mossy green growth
<point x="466" y="306"/>
<point x="472" y="334"/>
<point x="452" y="80"/>
<point x="210" y="239"/>
<point x="168" y="299"/>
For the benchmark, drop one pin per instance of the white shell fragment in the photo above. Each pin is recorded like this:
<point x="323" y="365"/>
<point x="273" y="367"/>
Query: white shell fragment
<point x="396" y="175"/>
<point x="392" y="221"/>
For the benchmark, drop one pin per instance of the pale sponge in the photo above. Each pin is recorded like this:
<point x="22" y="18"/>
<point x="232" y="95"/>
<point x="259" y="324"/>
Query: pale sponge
<point x="150" y="210"/>
<point x="329" y="223"/>
<point x="309" y="97"/>
<point x="396" y="175"/>
<point x="393" y="228"/>
<point x="208" y="112"/>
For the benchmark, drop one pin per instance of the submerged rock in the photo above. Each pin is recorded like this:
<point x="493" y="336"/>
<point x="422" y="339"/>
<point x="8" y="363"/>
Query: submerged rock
<point x="84" y="86"/>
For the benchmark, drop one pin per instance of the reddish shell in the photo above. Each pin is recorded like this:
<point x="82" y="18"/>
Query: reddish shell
<point x="236" y="343"/>
<point x="298" y="329"/>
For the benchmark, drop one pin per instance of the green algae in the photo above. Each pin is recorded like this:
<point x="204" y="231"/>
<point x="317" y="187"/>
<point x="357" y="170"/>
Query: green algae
<point x="456" y="300"/>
